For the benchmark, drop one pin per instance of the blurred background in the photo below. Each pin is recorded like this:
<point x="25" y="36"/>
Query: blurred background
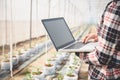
<point x="23" y="15"/>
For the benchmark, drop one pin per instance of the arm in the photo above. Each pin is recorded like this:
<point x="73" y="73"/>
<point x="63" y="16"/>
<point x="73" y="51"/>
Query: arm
<point x="106" y="53"/>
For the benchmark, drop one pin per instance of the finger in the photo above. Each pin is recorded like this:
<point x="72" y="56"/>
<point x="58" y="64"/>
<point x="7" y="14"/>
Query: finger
<point x="96" y="39"/>
<point x="84" y="40"/>
<point x="87" y="39"/>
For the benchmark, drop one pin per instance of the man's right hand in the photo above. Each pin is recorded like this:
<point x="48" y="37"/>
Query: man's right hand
<point x="92" y="36"/>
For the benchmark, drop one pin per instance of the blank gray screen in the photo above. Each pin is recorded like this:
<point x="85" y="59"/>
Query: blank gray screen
<point x="59" y="32"/>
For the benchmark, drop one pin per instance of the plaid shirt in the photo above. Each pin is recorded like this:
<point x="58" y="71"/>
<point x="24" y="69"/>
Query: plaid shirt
<point x="104" y="62"/>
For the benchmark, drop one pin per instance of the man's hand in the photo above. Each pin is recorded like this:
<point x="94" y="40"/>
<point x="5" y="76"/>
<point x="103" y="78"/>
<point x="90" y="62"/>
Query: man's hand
<point x="92" y="36"/>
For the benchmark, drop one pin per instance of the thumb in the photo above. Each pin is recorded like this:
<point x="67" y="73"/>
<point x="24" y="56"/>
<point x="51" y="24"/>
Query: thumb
<point x="95" y="39"/>
<point x="87" y="38"/>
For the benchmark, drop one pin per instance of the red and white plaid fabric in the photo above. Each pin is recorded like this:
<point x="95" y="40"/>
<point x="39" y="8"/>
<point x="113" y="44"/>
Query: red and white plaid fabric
<point x="104" y="62"/>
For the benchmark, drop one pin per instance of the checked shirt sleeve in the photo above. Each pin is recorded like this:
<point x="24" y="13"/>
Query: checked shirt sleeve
<point x="108" y="50"/>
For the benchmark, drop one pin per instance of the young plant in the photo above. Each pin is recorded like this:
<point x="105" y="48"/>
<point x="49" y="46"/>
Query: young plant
<point x="76" y="60"/>
<point x="70" y="71"/>
<point x="6" y="58"/>
<point x="36" y="71"/>
<point x="5" y="63"/>
<point x="49" y="68"/>
<point x="28" y="77"/>
<point x="54" y="54"/>
<point x="48" y="63"/>
<point x="60" y="76"/>
<point x="20" y="52"/>
<point x="71" y="75"/>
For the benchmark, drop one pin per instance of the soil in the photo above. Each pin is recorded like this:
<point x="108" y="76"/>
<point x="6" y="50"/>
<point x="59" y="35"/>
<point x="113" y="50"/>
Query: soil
<point x="48" y="65"/>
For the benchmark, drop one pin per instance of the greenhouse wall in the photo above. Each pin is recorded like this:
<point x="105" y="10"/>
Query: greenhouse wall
<point x="18" y="15"/>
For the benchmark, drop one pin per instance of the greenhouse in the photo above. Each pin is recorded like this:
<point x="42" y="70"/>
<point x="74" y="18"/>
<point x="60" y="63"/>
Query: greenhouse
<point x="27" y="51"/>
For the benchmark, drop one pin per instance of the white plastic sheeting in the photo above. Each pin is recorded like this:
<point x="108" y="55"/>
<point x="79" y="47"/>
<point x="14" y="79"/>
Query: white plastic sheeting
<point x="75" y="12"/>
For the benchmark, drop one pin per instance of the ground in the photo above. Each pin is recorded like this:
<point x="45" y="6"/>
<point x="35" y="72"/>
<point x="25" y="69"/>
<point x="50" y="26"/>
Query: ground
<point x="41" y="60"/>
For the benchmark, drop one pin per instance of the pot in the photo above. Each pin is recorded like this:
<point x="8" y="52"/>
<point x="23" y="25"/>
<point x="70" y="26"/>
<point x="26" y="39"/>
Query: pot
<point x="49" y="70"/>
